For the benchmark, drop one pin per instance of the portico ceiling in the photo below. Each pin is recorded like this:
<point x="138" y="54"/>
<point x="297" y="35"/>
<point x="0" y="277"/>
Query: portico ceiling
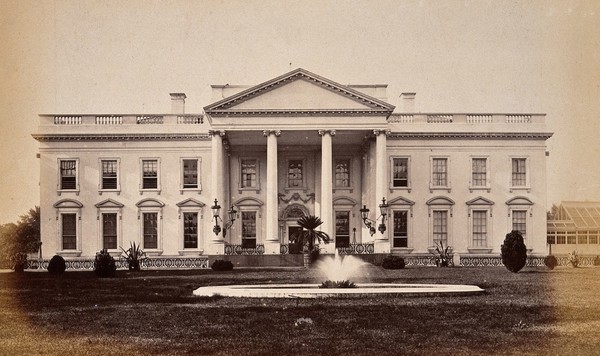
<point x="304" y="138"/>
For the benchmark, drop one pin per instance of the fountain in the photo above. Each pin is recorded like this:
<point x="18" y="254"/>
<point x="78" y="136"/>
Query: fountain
<point x="337" y="272"/>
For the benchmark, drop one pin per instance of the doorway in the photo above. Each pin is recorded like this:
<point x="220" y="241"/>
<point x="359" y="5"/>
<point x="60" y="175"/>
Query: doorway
<point x="295" y="248"/>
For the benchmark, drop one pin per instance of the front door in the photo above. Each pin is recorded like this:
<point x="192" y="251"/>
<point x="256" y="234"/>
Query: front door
<point x="294" y="247"/>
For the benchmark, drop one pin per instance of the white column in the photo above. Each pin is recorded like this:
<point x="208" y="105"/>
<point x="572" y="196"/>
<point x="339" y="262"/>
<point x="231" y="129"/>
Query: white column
<point x="382" y="244"/>
<point x="272" y="210"/>
<point x="327" y="183"/>
<point x="217" y="245"/>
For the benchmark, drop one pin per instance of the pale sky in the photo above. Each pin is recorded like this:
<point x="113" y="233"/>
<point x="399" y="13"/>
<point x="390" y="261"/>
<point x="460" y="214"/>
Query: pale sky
<point x="481" y="56"/>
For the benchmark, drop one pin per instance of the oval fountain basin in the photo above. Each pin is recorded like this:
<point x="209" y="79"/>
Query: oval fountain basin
<point x="313" y="290"/>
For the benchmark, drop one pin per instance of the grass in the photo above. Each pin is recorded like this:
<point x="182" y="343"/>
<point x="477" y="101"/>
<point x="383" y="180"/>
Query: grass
<point x="534" y="312"/>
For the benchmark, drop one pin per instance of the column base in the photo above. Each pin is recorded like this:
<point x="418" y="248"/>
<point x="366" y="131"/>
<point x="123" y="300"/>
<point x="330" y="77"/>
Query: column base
<point x="216" y="247"/>
<point x="381" y="246"/>
<point x="272" y="248"/>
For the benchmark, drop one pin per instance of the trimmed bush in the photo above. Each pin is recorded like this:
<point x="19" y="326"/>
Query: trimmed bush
<point x="104" y="264"/>
<point x="222" y="265"/>
<point x="550" y="262"/>
<point x="57" y="265"/>
<point x="18" y="262"/>
<point x="393" y="262"/>
<point x="514" y="252"/>
<point x="597" y="261"/>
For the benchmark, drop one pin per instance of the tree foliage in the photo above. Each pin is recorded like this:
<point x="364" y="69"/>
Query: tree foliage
<point x="309" y="235"/>
<point x="22" y="237"/>
<point x="514" y="251"/>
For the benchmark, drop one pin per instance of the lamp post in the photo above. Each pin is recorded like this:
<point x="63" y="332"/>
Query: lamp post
<point x="364" y="212"/>
<point x="232" y="215"/>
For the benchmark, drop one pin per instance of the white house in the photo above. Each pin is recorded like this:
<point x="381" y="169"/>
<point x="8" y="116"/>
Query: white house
<point x="296" y="144"/>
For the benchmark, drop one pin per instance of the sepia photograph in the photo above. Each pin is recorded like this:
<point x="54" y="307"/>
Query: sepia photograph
<point x="284" y="177"/>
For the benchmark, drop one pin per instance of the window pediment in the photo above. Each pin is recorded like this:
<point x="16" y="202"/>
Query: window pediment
<point x="440" y="201"/>
<point x="109" y="203"/>
<point x="190" y="203"/>
<point x="247" y="201"/>
<point x="344" y="201"/>
<point x="68" y="203"/>
<point x="401" y="201"/>
<point x="150" y="203"/>
<point x="519" y="201"/>
<point x="480" y="201"/>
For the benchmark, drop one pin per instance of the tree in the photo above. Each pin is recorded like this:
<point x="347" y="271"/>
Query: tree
<point x="22" y="237"/>
<point x="514" y="251"/>
<point x="309" y="235"/>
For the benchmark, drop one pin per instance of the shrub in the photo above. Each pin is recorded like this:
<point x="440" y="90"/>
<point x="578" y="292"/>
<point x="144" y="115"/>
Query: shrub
<point x="574" y="259"/>
<point x="442" y="254"/>
<point x="57" y="265"/>
<point x="222" y="265"/>
<point x="104" y="264"/>
<point x="550" y="262"/>
<point x="133" y="255"/>
<point x="18" y="262"/>
<point x="337" y="284"/>
<point x="393" y="262"/>
<point x="597" y="261"/>
<point x="514" y="252"/>
<point x="315" y="253"/>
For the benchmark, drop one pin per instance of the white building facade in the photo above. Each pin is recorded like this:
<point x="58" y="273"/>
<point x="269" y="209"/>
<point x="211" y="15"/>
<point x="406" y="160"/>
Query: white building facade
<point x="297" y="144"/>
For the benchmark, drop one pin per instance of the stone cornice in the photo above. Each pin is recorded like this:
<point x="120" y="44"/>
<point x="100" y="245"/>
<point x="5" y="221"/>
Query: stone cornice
<point x="123" y="137"/>
<point x="295" y="75"/>
<point x="299" y="112"/>
<point x="471" y="135"/>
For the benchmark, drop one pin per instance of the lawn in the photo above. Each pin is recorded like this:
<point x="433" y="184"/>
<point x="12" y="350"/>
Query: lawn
<point x="533" y="312"/>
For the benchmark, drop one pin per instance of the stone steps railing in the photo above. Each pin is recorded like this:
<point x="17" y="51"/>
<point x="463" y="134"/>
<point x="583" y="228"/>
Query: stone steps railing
<point x="466" y="118"/>
<point x="110" y="120"/>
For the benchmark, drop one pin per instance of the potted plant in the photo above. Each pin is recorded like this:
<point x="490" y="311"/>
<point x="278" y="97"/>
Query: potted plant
<point x="308" y="236"/>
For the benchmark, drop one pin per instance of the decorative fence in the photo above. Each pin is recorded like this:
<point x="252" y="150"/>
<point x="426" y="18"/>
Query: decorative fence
<point x="87" y="264"/>
<point x="244" y="251"/>
<point x="357" y="249"/>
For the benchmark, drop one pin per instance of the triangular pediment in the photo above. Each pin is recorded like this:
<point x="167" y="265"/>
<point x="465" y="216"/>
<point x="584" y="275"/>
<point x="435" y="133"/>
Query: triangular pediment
<point x="401" y="201"/>
<point x="109" y="203"/>
<point x="480" y="201"/>
<point x="299" y="91"/>
<point x="190" y="203"/>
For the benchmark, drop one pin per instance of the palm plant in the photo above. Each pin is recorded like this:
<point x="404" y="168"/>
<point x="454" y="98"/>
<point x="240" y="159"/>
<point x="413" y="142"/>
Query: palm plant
<point x="309" y="234"/>
<point x="133" y="255"/>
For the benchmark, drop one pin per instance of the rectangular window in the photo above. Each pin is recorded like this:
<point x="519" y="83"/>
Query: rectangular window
<point x="593" y="237"/>
<point x="519" y="174"/>
<point x="342" y="173"/>
<point x="150" y="174"/>
<point x="68" y="175"/>
<point x="109" y="231"/>
<point x="295" y="173"/>
<point x="479" y="172"/>
<point x="342" y="229"/>
<point x="519" y="221"/>
<point x="69" y="231"/>
<point x="249" y="172"/>
<point x="400" y="229"/>
<point x="190" y="230"/>
<point x="150" y="230"/>
<point x="190" y="173"/>
<point x="439" y="172"/>
<point x="400" y="172"/>
<point x="440" y="226"/>
<point x="248" y="229"/>
<point x="109" y="174"/>
<point x="479" y="228"/>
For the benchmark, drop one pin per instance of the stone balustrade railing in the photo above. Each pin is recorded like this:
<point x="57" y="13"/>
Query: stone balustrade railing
<point x="467" y="118"/>
<point x="110" y="120"/>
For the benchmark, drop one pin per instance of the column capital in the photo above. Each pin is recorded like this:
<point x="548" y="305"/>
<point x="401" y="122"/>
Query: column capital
<point x="386" y="132"/>
<point x="323" y="132"/>
<point x="221" y="133"/>
<point x="266" y="133"/>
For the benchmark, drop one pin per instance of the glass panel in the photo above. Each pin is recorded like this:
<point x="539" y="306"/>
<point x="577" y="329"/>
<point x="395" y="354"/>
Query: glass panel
<point x="400" y="172"/>
<point x="479" y="172"/>
<point x="190" y="230"/>
<point x="69" y="231"/>
<point x="109" y="174"/>
<point x="295" y="173"/>
<point x="342" y="228"/>
<point x="440" y="172"/>
<point x="109" y="231"/>
<point x="400" y="229"/>
<point x="68" y="175"/>
<point x="150" y="230"/>
<point x="150" y="174"/>
<point x="440" y="227"/>
<point x="249" y="170"/>
<point x="249" y="229"/>
<point x="342" y="173"/>
<point x="480" y="228"/>
<point x="190" y="173"/>
<point x="518" y="172"/>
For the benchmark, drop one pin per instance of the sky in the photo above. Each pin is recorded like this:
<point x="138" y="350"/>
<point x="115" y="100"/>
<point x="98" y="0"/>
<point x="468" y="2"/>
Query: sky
<point x="119" y="57"/>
